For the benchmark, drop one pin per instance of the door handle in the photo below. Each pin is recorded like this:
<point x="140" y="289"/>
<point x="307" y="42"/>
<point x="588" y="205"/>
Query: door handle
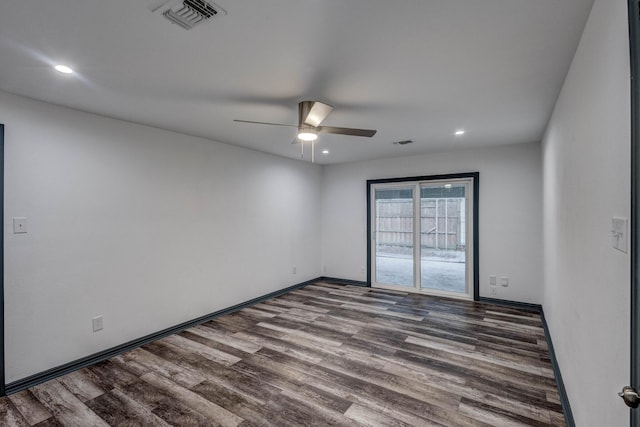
<point x="630" y="396"/>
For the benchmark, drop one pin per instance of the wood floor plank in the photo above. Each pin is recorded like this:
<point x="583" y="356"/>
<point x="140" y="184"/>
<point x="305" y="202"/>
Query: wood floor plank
<point x="399" y="367"/>
<point x="49" y="422"/>
<point x="203" y="350"/>
<point x="334" y="382"/>
<point x="381" y="311"/>
<point x="118" y="409"/>
<point x="281" y="346"/>
<point x="496" y="416"/>
<point x="289" y="303"/>
<point x="165" y="406"/>
<point x="305" y="335"/>
<point x="235" y="380"/>
<point x="108" y="375"/>
<point x="64" y="406"/>
<point x="493" y="389"/>
<point x="233" y="401"/>
<point x="368" y="417"/>
<point x="498" y="360"/>
<point x="81" y="386"/>
<point x="227" y="339"/>
<point x="140" y="362"/>
<point x="557" y="419"/>
<point x="287" y="411"/>
<point x="10" y="416"/>
<point x="325" y="354"/>
<point x="390" y="381"/>
<point x="224" y="348"/>
<point x="252" y="311"/>
<point x="193" y="400"/>
<point x="381" y="399"/>
<point x="480" y="367"/>
<point x="31" y="409"/>
<point x="315" y="406"/>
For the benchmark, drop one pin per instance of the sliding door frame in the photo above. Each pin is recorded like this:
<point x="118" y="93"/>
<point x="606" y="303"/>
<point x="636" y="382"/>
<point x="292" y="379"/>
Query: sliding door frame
<point x="475" y="184"/>
<point x="634" y="51"/>
<point x="2" y="361"/>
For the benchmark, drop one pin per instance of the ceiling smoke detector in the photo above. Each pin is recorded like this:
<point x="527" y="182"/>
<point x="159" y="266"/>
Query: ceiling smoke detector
<point x="192" y="13"/>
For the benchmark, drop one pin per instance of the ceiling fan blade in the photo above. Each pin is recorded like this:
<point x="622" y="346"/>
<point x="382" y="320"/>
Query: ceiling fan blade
<point x="263" y="123"/>
<point x="346" y="131"/>
<point x="313" y="112"/>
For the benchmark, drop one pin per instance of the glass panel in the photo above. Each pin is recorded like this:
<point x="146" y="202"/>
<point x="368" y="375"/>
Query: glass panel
<point x="443" y="237"/>
<point x="394" y="236"/>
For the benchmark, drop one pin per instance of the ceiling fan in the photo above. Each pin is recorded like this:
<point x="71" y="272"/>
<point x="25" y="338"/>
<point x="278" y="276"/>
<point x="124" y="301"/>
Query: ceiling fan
<point x="310" y="115"/>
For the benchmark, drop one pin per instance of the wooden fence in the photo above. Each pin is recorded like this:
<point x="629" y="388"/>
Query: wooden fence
<point x="442" y="223"/>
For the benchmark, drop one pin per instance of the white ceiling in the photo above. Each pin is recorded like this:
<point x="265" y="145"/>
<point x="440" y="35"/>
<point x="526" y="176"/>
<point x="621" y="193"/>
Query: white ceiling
<point x="412" y="69"/>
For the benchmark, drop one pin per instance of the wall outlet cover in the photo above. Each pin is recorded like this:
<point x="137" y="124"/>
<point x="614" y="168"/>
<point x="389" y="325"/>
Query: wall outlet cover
<point x="19" y="225"/>
<point x="97" y="323"/>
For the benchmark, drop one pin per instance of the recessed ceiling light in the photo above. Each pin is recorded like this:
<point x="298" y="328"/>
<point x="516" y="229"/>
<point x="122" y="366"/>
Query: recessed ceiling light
<point x="325" y="151"/>
<point x="63" y="69"/>
<point x="460" y="132"/>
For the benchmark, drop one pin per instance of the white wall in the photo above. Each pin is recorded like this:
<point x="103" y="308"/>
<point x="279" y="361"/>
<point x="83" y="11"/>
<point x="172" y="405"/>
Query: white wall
<point x="586" y="182"/>
<point x="510" y="217"/>
<point x="146" y="227"/>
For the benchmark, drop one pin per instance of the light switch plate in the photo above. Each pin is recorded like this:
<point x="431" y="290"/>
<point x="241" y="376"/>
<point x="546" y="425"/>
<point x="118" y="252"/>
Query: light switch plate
<point x="19" y="225"/>
<point x="619" y="233"/>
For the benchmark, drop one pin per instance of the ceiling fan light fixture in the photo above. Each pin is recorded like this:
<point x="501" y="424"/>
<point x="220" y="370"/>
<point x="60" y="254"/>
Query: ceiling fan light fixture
<point x="63" y="69"/>
<point x="307" y="135"/>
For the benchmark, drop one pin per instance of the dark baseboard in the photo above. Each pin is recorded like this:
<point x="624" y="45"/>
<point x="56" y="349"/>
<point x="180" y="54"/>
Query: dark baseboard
<point x="84" y="362"/>
<point x="564" y="398"/>
<point x="536" y="308"/>
<point x="339" y="281"/>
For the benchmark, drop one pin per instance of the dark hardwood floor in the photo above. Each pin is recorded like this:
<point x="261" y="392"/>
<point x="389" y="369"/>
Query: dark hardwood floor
<point x="322" y="355"/>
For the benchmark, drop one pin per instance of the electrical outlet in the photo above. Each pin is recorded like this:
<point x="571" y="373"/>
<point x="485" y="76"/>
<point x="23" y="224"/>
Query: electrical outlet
<point x="97" y="323"/>
<point x="504" y="281"/>
<point x="494" y="290"/>
<point x="362" y="270"/>
<point x="19" y="225"/>
<point x="295" y="270"/>
<point x="492" y="280"/>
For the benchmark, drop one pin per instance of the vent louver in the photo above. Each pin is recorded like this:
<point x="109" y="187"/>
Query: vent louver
<point x="193" y="12"/>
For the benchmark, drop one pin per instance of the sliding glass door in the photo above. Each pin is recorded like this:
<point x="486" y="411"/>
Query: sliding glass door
<point x="394" y="240"/>
<point x="443" y="233"/>
<point x="422" y="236"/>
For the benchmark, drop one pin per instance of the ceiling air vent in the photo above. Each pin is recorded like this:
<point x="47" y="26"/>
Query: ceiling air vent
<point x="192" y="13"/>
